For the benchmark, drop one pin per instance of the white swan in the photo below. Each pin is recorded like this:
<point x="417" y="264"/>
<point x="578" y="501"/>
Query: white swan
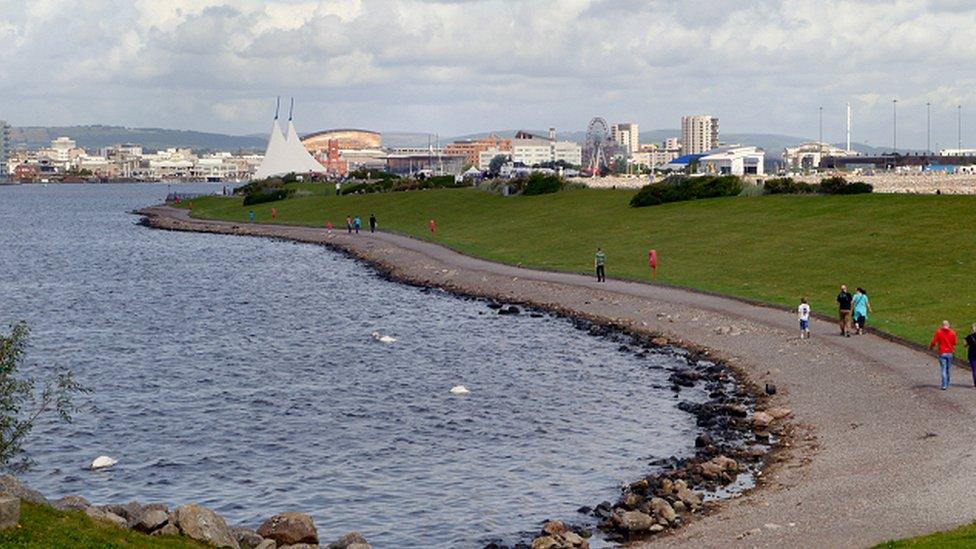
<point x="459" y="390"/>
<point x="383" y="338"/>
<point x="102" y="462"/>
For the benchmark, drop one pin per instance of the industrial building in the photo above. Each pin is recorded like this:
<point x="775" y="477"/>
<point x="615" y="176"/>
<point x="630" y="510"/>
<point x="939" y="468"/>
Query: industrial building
<point x="808" y="156"/>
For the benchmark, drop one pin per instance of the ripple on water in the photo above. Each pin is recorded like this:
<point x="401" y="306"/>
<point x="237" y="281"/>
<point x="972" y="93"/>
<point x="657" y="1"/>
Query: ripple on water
<point x="239" y="373"/>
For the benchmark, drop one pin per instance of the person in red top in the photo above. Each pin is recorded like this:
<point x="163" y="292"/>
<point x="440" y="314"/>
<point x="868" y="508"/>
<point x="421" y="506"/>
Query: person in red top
<point x="945" y="340"/>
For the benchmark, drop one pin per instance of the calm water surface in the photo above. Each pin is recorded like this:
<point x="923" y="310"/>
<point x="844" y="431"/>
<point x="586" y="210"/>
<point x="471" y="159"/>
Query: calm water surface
<point x="239" y="373"/>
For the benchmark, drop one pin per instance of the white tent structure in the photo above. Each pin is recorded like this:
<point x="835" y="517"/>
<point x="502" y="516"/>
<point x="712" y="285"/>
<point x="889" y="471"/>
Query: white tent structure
<point x="286" y="155"/>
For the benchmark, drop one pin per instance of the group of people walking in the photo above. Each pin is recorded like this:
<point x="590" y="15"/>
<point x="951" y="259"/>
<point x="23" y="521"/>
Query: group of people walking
<point x="853" y="310"/>
<point x="355" y="223"/>
<point x="944" y="343"/>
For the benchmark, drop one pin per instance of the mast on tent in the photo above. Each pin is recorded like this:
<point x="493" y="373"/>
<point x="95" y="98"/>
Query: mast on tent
<point x="291" y="110"/>
<point x="277" y="106"/>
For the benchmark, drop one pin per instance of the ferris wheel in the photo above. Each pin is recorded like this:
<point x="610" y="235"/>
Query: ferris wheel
<point x="595" y="147"/>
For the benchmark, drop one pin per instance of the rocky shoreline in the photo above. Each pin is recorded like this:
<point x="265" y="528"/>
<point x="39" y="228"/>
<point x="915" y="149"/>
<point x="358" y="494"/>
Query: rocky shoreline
<point x="739" y="432"/>
<point x="196" y="522"/>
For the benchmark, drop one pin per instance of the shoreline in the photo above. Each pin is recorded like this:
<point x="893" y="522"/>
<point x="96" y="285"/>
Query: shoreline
<point x="860" y="405"/>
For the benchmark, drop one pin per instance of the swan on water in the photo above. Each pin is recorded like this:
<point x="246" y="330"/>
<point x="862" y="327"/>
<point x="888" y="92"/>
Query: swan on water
<point x="383" y="338"/>
<point x="101" y="462"/>
<point x="459" y="390"/>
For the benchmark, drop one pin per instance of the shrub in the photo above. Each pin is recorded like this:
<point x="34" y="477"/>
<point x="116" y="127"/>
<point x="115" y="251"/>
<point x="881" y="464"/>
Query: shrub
<point x="539" y="183"/>
<point x="267" y="195"/>
<point x="365" y="173"/>
<point x="839" y="185"/>
<point x="681" y="188"/>
<point x="857" y="187"/>
<point x="787" y="185"/>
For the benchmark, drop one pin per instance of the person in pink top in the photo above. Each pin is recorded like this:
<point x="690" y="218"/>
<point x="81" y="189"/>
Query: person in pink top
<point x="945" y="340"/>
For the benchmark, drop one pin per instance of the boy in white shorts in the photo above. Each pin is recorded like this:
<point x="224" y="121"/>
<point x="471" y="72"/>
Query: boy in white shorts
<point x="803" y="313"/>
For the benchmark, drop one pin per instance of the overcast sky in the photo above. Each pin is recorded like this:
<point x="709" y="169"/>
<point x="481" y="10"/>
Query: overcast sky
<point x="460" y="66"/>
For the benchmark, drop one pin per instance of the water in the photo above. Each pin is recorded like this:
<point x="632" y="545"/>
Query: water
<point x="239" y="373"/>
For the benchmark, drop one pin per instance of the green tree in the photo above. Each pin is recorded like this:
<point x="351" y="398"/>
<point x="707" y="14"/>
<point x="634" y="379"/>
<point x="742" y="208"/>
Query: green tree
<point x="21" y="403"/>
<point x="496" y="164"/>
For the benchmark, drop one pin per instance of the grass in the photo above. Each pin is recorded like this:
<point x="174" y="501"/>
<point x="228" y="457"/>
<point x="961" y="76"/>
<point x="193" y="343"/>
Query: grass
<point x="964" y="536"/>
<point x="915" y="254"/>
<point x="41" y="526"/>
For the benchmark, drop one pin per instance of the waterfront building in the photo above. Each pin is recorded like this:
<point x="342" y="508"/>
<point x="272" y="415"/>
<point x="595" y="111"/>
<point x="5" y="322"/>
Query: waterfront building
<point x="733" y="160"/>
<point x="957" y="152"/>
<point x="471" y="149"/>
<point x="356" y="149"/>
<point x="808" y="156"/>
<point x="4" y="149"/>
<point x="626" y="136"/>
<point x="485" y="157"/>
<point x="532" y="150"/>
<point x="699" y="134"/>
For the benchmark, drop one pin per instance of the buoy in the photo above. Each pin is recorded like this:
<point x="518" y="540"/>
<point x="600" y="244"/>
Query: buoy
<point x="102" y="462"/>
<point x="459" y="390"/>
<point x="383" y="338"/>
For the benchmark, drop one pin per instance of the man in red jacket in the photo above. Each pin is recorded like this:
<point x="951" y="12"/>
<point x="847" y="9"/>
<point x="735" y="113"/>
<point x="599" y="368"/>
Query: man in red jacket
<point x="945" y="340"/>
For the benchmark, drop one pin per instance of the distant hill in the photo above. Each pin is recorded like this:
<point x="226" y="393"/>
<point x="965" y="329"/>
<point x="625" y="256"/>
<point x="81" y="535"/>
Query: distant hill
<point x="92" y="138"/>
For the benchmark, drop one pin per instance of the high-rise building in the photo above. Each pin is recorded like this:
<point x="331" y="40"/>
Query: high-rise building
<point x="627" y="136"/>
<point x="698" y="134"/>
<point x="4" y="148"/>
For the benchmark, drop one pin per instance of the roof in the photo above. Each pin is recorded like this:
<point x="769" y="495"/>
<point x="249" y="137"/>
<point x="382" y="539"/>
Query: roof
<point x="687" y="159"/>
<point x="335" y="130"/>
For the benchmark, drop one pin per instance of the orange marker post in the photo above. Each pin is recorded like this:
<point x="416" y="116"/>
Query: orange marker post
<point x="652" y="261"/>
<point x="432" y="225"/>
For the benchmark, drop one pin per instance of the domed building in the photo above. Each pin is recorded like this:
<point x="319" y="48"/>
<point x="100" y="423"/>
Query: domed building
<point x="346" y="149"/>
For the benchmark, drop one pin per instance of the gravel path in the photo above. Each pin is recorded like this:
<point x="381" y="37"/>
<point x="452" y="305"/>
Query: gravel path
<point x="879" y="451"/>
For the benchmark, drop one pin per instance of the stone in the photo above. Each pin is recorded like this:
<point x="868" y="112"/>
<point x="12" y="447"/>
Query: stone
<point x="691" y="499"/>
<point x="169" y="529"/>
<point x="266" y="544"/>
<point x="655" y="529"/>
<point x="761" y="420"/>
<point x="151" y="520"/>
<point x="107" y="517"/>
<point x="770" y="389"/>
<point x="779" y="413"/>
<point x="576" y="541"/>
<point x="347" y="541"/>
<point x="10" y="486"/>
<point x="630" y="500"/>
<point x="633" y="521"/>
<point x="71" y="503"/>
<point x="304" y="546"/>
<point x="663" y="510"/>
<point x="554" y="528"/>
<point x="202" y="524"/>
<point x="720" y="468"/>
<point x="247" y="538"/>
<point x="545" y="542"/>
<point x="659" y="341"/>
<point x="640" y="486"/>
<point x="132" y="512"/>
<point x="9" y="512"/>
<point x="679" y="506"/>
<point x="289" y="529"/>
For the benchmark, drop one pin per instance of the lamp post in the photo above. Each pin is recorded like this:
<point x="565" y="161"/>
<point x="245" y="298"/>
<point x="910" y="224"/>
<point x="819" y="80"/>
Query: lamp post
<point x="894" y="126"/>
<point x="928" y="127"/>
<point x="959" y="143"/>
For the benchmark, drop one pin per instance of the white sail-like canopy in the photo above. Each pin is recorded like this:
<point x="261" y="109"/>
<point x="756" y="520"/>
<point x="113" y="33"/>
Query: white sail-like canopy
<point x="286" y="155"/>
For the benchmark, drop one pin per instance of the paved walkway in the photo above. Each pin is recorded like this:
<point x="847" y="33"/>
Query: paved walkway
<point x="879" y="453"/>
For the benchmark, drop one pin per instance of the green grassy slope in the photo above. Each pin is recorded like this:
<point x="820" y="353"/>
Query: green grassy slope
<point x="45" y="527"/>
<point x="914" y="254"/>
<point x="953" y="539"/>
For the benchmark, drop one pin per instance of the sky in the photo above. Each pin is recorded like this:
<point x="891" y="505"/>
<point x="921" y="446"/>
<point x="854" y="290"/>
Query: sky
<point x="462" y="66"/>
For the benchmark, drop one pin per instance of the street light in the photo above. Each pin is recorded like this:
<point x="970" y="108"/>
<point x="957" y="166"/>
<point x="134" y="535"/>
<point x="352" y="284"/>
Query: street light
<point x="959" y="110"/>
<point x="894" y="126"/>
<point x="928" y="127"/>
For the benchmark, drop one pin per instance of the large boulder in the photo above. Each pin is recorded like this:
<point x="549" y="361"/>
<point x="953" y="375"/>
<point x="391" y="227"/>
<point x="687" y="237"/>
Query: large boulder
<point x="106" y="517"/>
<point x="290" y="529"/>
<point x="247" y="538"/>
<point x="132" y="512"/>
<point x="152" y="518"/>
<point x="761" y="420"/>
<point x="663" y="510"/>
<point x="202" y="524"/>
<point x="720" y="468"/>
<point x="10" y="486"/>
<point x="352" y="540"/>
<point x="633" y="521"/>
<point x="9" y="512"/>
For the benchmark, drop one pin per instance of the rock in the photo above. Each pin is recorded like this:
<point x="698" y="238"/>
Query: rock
<point x="266" y="544"/>
<point x="770" y="389"/>
<point x="202" y="524"/>
<point x="152" y="519"/>
<point x="101" y="515"/>
<point x="630" y="500"/>
<point x="576" y="541"/>
<point x="554" y="528"/>
<point x="348" y="541"/>
<point x="545" y="542"/>
<point x="679" y="506"/>
<point x="667" y="486"/>
<point x="10" y="486"/>
<point x="663" y="510"/>
<point x="309" y="546"/>
<point x="703" y="440"/>
<point x="720" y="468"/>
<point x="9" y="512"/>
<point x="655" y="529"/>
<point x="289" y="529"/>
<point x="169" y="529"/>
<point x="633" y="521"/>
<point x="779" y="413"/>
<point x="640" y="486"/>
<point x="659" y="341"/>
<point x="132" y="512"/>
<point x="691" y="499"/>
<point x="247" y="538"/>
<point x="70" y="503"/>
<point x="761" y="420"/>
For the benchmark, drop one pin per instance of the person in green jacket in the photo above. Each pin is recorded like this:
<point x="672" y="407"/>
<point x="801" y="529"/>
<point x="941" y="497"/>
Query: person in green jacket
<point x="599" y="261"/>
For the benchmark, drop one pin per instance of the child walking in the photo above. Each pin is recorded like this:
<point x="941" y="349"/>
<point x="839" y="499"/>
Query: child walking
<point x="803" y="313"/>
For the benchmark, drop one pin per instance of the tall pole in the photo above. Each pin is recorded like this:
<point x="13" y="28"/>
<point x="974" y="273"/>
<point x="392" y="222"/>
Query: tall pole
<point x="848" y="128"/>
<point x="959" y="110"/>
<point x="894" y="126"/>
<point x="928" y="127"/>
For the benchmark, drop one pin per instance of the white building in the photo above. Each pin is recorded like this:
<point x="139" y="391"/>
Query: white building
<point x="807" y="156"/>
<point x="733" y="160"/>
<point x="532" y="150"/>
<point x="699" y="134"/>
<point x="627" y="136"/>
<point x="485" y="157"/>
<point x="957" y="152"/>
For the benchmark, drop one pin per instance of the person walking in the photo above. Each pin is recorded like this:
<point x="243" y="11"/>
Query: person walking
<point x="861" y="309"/>
<point x="372" y="223"/>
<point x="803" y="313"/>
<point x="970" y="343"/>
<point x="250" y="216"/>
<point x="432" y="225"/>
<point x="328" y="225"/>
<point x="274" y="213"/>
<point x="945" y="340"/>
<point x="348" y="224"/>
<point x="599" y="261"/>
<point x="357" y="223"/>
<point x="844" y="300"/>
<point x="338" y="188"/>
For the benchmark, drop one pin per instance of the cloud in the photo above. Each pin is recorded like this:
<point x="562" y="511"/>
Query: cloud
<point x="468" y="65"/>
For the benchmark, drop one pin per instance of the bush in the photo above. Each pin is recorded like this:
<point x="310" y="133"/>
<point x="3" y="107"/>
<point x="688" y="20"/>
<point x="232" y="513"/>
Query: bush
<point x="267" y="195"/>
<point x="839" y="185"/>
<point x="364" y="173"/>
<point x="787" y="185"/>
<point x="857" y="187"/>
<point x="539" y="183"/>
<point x="681" y="188"/>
